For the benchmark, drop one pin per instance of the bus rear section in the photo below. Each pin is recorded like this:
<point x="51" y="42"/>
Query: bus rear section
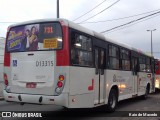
<point x="31" y="73"/>
<point x="157" y="73"/>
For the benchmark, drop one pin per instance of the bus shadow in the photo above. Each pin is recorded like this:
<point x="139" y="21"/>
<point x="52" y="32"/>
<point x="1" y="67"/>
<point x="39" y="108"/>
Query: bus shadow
<point x="157" y="91"/>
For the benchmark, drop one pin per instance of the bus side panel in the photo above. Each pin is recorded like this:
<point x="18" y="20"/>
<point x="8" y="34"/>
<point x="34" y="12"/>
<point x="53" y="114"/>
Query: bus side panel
<point x="81" y="101"/>
<point x="142" y="83"/>
<point x="121" y="79"/>
<point x="80" y="82"/>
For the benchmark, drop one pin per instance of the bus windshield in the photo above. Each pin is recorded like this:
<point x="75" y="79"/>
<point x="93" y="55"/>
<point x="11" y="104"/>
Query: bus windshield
<point x="33" y="37"/>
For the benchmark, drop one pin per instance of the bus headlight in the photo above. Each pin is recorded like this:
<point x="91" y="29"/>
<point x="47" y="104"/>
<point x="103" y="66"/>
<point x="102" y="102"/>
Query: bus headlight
<point x="157" y="83"/>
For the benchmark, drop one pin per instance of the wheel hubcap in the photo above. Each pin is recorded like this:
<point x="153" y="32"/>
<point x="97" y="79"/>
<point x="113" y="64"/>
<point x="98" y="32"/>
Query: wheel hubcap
<point x="113" y="101"/>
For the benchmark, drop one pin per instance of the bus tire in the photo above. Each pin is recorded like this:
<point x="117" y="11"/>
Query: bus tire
<point x="65" y="109"/>
<point x="145" y="96"/>
<point x="112" y="101"/>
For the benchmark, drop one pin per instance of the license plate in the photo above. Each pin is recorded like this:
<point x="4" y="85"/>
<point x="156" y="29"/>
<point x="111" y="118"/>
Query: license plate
<point x="31" y="85"/>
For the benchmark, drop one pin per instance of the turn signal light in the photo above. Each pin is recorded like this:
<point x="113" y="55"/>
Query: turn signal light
<point x="5" y="80"/>
<point x="61" y="77"/>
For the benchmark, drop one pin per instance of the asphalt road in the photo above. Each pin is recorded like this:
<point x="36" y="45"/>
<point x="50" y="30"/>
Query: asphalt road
<point x="125" y="107"/>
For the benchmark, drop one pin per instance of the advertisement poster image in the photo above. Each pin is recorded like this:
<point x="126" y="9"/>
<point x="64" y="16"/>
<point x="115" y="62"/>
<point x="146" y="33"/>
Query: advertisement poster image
<point x="23" y="38"/>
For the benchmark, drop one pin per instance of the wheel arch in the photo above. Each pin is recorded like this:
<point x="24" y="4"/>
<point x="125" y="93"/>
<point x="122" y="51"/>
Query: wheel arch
<point x="117" y="90"/>
<point x="148" y="86"/>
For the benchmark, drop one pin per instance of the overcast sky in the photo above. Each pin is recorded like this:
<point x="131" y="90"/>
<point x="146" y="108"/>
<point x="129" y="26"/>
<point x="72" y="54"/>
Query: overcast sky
<point x="135" y="34"/>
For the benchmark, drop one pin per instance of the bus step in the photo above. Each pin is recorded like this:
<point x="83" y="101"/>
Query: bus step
<point x="99" y="104"/>
<point x="133" y="96"/>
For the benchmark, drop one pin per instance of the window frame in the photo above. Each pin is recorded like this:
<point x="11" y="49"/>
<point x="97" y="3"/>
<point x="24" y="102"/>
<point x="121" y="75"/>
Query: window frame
<point x="150" y="70"/>
<point x="72" y="34"/>
<point x="44" y="22"/>
<point x="117" y="57"/>
<point x="123" y="58"/>
<point x="142" y="61"/>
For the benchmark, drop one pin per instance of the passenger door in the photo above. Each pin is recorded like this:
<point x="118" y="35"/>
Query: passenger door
<point x="135" y="74"/>
<point x="153" y="75"/>
<point x="99" y="57"/>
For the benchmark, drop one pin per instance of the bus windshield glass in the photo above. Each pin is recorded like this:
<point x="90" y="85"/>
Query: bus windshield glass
<point x="34" y="37"/>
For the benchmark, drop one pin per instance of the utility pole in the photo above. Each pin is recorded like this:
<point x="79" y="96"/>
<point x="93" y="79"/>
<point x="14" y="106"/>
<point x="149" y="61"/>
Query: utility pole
<point x="57" y="8"/>
<point x="151" y="41"/>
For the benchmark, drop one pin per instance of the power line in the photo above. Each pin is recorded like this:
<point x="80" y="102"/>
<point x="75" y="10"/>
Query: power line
<point x="121" y="17"/>
<point x="89" y="11"/>
<point x="100" y="12"/>
<point x="130" y="22"/>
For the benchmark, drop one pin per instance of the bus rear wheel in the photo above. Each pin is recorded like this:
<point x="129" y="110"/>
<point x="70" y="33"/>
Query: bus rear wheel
<point x="112" y="101"/>
<point x="145" y="96"/>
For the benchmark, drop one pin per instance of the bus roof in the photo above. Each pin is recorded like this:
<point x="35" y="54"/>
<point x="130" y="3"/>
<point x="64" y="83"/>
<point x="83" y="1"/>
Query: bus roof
<point x="83" y="29"/>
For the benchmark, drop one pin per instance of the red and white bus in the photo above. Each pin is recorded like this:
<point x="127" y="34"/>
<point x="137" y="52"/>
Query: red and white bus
<point x="55" y="61"/>
<point x="157" y="73"/>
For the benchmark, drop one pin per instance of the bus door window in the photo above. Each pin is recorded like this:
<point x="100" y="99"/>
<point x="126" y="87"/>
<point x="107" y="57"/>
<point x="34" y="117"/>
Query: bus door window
<point x="102" y="61"/>
<point x="156" y="66"/>
<point x="96" y="61"/>
<point x="134" y="66"/>
<point x="99" y="61"/>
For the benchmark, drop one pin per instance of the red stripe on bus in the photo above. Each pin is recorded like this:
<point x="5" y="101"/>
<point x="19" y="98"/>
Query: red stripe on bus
<point x="7" y="59"/>
<point x="6" y="55"/>
<point x="92" y="86"/>
<point x="62" y="56"/>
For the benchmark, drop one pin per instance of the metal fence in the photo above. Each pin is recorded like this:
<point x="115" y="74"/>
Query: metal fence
<point x="1" y="88"/>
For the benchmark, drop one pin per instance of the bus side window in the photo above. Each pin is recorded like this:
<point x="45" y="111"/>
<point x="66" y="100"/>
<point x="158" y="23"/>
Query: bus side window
<point x="81" y="50"/>
<point x="156" y="65"/>
<point x="125" y="59"/>
<point x="114" y="61"/>
<point x="148" y="64"/>
<point x="75" y="56"/>
<point x="142" y="64"/>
